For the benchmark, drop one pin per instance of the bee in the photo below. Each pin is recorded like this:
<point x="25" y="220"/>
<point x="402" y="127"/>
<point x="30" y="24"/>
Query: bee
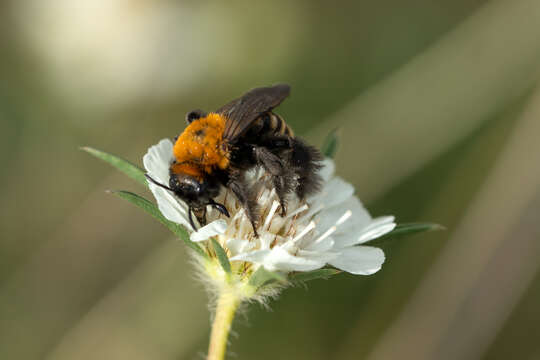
<point x="217" y="149"/>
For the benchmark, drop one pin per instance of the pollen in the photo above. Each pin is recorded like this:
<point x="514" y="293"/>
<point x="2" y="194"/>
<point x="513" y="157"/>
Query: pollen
<point x="201" y="144"/>
<point x="188" y="169"/>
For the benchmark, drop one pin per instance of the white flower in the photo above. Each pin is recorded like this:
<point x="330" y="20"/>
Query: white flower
<point x="328" y="228"/>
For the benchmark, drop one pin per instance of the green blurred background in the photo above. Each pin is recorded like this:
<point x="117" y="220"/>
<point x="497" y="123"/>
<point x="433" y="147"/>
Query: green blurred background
<point x="439" y="114"/>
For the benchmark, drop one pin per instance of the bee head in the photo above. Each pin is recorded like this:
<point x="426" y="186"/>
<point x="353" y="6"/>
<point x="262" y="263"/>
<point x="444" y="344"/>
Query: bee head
<point x="195" y="115"/>
<point x="193" y="191"/>
<point x="197" y="194"/>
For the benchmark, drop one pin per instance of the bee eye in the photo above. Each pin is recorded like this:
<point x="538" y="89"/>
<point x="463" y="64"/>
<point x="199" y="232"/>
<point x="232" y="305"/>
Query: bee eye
<point x="194" y="115"/>
<point x="185" y="187"/>
<point x="190" y="185"/>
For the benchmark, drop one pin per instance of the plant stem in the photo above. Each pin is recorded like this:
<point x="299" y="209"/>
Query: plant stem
<point x="226" y="308"/>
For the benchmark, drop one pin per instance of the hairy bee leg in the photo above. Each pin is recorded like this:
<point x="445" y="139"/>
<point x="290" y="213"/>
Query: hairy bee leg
<point x="281" y="193"/>
<point x="306" y="161"/>
<point x="200" y="214"/>
<point x="281" y="177"/>
<point x="268" y="160"/>
<point x="241" y="190"/>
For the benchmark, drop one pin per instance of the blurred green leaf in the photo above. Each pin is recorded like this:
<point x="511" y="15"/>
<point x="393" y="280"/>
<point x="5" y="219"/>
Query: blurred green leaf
<point x="331" y="144"/>
<point x="152" y="209"/>
<point x="263" y="277"/>
<point x="406" y="229"/>
<point x="301" y="277"/>
<point x="131" y="170"/>
<point x="412" y="228"/>
<point x="222" y="256"/>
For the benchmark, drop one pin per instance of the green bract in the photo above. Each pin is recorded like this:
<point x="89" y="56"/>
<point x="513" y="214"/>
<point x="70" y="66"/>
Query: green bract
<point x="131" y="170"/>
<point x="330" y="144"/>
<point x="221" y="256"/>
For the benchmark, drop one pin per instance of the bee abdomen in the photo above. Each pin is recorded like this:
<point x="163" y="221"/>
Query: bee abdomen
<point x="277" y="125"/>
<point x="270" y="124"/>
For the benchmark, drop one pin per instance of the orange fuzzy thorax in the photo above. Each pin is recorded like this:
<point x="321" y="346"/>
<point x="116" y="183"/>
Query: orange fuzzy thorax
<point x="188" y="169"/>
<point x="201" y="144"/>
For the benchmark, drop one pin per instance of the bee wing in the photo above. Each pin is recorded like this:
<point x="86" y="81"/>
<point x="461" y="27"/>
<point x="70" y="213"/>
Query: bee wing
<point x="240" y="113"/>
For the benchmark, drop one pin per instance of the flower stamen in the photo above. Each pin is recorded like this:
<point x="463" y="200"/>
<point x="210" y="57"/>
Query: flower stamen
<point x="344" y="217"/>
<point x="333" y="229"/>
<point x="297" y="211"/>
<point x="307" y="229"/>
<point x="326" y="234"/>
<point x="270" y="216"/>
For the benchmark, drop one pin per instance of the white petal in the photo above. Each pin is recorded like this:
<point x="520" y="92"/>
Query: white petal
<point x="156" y="162"/>
<point x="256" y="256"/>
<point x="158" y="159"/>
<point x="280" y="259"/>
<point x="378" y="227"/>
<point x="324" y="245"/>
<point x="329" y="216"/>
<point x="359" y="260"/>
<point x="359" y="233"/>
<point x="170" y="207"/>
<point x="322" y="256"/>
<point x="327" y="170"/>
<point x="334" y="192"/>
<point x="238" y="245"/>
<point x="217" y="227"/>
<point x="360" y="215"/>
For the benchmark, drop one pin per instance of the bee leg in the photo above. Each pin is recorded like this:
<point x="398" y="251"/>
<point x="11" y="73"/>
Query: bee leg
<point x="200" y="214"/>
<point x="281" y="178"/>
<point x="280" y="191"/>
<point x="190" y="216"/>
<point x="306" y="161"/>
<point x="241" y="190"/>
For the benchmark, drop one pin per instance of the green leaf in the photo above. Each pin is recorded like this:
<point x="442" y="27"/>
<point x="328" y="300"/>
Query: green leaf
<point x="152" y="209"/>
<point x="263" y="277"/>
<point x="222" y="256"/>
<point x="330" y="144"/>
<point x="301" y="277"/>
<point x="131" y="170"/>
<point x="407" y="229"/>
<point x="412" y="228"/>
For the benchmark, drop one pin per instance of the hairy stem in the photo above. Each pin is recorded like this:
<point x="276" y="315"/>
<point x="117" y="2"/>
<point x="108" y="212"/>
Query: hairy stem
<point x="226" y="308"/>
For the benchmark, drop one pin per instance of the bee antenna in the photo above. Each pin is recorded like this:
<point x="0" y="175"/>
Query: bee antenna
<point x="157" y="183"/>
<point x="220" y="207"/>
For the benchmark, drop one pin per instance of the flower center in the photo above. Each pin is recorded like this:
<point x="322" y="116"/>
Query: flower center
<point x="273" y="229"/>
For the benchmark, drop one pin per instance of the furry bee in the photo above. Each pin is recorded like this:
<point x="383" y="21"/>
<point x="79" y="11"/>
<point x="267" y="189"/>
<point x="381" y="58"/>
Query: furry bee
<point x="217" y="148"/>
